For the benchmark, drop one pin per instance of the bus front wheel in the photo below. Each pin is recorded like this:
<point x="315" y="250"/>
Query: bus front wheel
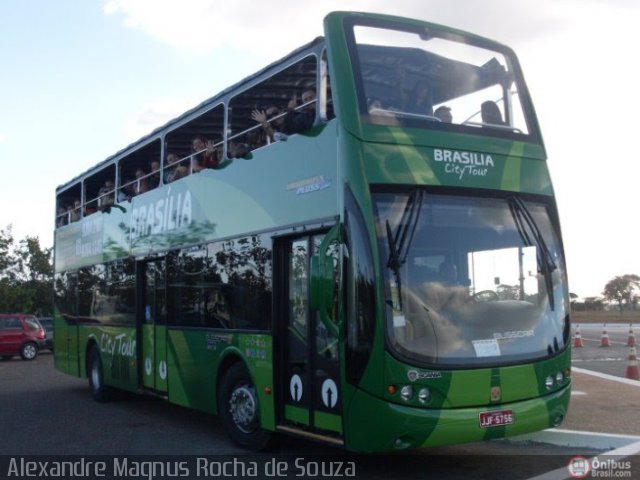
<point x="238" y="409"/>
<point x="99" y="391"/>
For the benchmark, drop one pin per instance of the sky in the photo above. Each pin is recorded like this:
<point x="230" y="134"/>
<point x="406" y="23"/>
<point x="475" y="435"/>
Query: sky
<point x="82" y="79"/>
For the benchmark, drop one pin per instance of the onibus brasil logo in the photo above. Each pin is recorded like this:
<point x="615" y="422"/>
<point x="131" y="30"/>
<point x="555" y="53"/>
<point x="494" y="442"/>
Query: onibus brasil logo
<point x="580" y="467"/>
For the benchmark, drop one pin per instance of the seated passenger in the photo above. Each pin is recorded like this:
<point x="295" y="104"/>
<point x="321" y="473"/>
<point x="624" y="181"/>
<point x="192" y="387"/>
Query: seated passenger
<point x="374" y="106"/>
<point x="106" y="194"/>
<point x="126" y="191"/>
<point x="419" y="101"/>
<point x="140" y="185"/>
<point x="62" y="217"/>
<point x="443" y="113"/>
<point x="174" y="170"/>
<point x="204" y="155"/>
<point x="154" y="178"/>
<point x="270" y="126"/>
<point x="75" y="211"/>
<point x="491" y="113"/>
<point x="298" y="121"/>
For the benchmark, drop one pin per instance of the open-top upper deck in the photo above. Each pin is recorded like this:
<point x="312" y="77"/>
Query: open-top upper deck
<point x="433" y="105"/>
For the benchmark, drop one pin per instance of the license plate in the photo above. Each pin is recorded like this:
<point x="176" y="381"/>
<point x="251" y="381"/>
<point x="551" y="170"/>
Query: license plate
<point x="496" y="418"/>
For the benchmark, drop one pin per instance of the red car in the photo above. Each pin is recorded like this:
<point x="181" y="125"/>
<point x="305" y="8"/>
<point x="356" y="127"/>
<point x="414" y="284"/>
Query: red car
<point x="20" y="334"/>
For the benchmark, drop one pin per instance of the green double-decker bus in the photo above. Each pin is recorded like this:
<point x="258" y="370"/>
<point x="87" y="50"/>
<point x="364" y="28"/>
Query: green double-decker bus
<point x="359" y="245"/>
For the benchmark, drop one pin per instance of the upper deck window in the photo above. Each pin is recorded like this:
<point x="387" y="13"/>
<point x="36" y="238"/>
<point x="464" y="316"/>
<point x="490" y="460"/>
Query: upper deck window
<point x="427" y="78"/>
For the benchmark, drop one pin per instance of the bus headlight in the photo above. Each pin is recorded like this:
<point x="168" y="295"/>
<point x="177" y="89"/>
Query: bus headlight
<point x="424" y="395"/>
<point x="559" y="378"/>
<point x="406" y="392"/>
<point x="548" y="382"/>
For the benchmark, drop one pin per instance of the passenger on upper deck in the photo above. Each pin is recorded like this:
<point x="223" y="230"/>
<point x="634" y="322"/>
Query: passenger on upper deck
<point x="298" y="121"/>
<point x="204" y="155"/>
<point x="154" y="178"/>
<point x="491" y="113"/>
<point x="270" y="128"/>
<point x="126" y="191"/>
<point x="140" y="185"/>
<point x="443" y="113"/>
<point x="172" y="170"/>
<point x="420" y="101"/>
<point x="74" y="215"/>
<point x="62" y="217"/>
<point x="106" y="194"/>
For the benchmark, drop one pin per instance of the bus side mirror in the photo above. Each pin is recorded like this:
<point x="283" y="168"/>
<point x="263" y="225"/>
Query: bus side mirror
<point x="321" y="295"/>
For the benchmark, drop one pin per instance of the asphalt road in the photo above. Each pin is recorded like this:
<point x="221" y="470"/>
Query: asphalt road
<point x="44" y="412"/>
<point x="611" y="360"/>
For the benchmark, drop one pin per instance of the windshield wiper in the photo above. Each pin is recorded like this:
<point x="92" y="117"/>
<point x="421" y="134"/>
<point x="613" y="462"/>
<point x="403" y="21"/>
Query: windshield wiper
<point x="522" y="217"/>
<point x="400" y="242"/>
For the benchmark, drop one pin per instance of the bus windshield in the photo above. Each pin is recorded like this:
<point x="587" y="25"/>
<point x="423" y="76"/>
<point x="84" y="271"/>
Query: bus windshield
<point x="430" y="79"/>
<point x="471" y="281"/>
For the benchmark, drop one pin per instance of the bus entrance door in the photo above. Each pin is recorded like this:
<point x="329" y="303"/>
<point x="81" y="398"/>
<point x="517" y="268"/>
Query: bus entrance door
<point x="152" y="321"/>
<point x="310" y="373"/>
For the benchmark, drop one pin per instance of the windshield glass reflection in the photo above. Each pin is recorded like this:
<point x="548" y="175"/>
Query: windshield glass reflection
<point x="476" y="280"/>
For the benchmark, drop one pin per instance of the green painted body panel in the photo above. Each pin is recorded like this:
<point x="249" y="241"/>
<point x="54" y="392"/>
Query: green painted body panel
<point x="204" y="207"/>
<point x="154" y="357"/>
<point x="148" y="356"/>
<point x="65" y="346"/>
<point x="399" y="427"/>
<point x="421" y="165"/>
<point x="118" y="350"/>
<point x="161" y="364"/>
<point x="194" y="358"/>
<point x="328" y="421"/>
<point x="296" y="414"/>
<point x="470" y="387"/>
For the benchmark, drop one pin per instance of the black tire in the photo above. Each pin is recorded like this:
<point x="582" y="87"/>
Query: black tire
<point x="29" y="351"/>
<point x="99" y="391"/>
<point x="239" y="410"/>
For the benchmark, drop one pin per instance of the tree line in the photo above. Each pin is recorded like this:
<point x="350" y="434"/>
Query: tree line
<point x="26" y="275"/>
<point x="623" y="291"/>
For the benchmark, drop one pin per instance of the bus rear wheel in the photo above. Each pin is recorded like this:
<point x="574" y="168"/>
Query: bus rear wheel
<point x="239" y="410"/>
<point x="99" y="391"/>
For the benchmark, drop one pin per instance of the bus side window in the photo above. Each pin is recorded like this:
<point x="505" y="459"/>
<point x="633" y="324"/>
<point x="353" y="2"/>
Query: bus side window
<point x="138" y="172"/>
<point x="194" y="146"/>
<point x="264" y="113"/>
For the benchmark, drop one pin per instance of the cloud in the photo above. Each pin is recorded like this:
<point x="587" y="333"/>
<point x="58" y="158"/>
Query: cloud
<point x="203" y="26"/>
<point x="154" y="115"/>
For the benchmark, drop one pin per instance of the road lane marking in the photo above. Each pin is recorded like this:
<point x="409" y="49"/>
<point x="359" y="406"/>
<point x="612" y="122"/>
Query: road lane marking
<point x="607" y="359"/>
<point x="626" y="381"/>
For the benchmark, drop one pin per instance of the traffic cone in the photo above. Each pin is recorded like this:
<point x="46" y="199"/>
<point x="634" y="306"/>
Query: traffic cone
<point x="632" y="367"/>
<point x="577" y="338"/>
<point x="604" y="341"/>
<point x="631" y="339"/>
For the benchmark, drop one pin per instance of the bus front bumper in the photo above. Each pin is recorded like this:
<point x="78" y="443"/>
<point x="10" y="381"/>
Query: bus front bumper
<point x="390" y="426"/>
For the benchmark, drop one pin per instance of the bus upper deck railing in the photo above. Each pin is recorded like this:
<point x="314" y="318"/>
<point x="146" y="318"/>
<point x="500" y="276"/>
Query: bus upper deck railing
<point x="170" y="172"/>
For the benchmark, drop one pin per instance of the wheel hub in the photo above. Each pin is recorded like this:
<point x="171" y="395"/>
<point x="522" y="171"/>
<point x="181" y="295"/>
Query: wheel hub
<point x="243" y="408"/>
<point x="29" y="351"/>
<point x="95" y="376"/>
